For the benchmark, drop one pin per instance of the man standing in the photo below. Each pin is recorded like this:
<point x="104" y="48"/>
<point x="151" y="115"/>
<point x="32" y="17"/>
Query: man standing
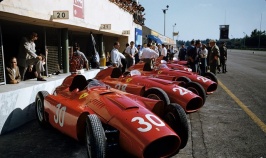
<point x="77" y="52"/>
<point x="116" y="56"/>
<point x="138" y="55"/>
<point x="193" y="56"/>
<point x="164" y="52"/>
<point x="182" y="53"/>
<point x="213" y="56"/>
<point x="131" y="50"/>
<point x="208" y="47"/>
<point x="148" y="54"/>
<point x="172" y="52"/>
<point x="223" y="57"/>
<point x="27" y="56"/>
<point x="203" y="60"/>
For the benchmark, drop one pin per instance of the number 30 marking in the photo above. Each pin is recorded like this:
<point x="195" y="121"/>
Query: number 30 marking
<point x="150" y="117"/>
<point x="60" y="115"/>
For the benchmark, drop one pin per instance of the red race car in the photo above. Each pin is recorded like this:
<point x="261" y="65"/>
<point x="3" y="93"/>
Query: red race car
<point x="173" y="64"/>
<point x="168" y="91"/>
<point x="103" y="117"/>
<point x="209" y="83"/>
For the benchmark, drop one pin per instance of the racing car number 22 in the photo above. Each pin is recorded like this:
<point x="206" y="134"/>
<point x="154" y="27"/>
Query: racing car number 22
<point x="150" y="118"/>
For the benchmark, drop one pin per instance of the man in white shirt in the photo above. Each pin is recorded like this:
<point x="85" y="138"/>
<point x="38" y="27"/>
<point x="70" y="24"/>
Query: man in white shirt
<point x="164" y="52"/>
<point x="131" y="50"/>
<point x="203" y="59"/>
<point x="148" y="54"/>
<point x="116" y="56"/>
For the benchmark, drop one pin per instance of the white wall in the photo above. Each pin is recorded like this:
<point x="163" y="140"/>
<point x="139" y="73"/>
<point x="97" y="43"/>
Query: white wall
<point x="96" y="12"/>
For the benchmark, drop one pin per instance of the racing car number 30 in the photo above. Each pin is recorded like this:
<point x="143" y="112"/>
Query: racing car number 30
<point x="151" y="119"/>
<point x="60" y="115"/>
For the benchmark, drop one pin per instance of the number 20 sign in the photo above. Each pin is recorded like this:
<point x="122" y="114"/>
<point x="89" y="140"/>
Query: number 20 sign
<point x="61" y="14"/>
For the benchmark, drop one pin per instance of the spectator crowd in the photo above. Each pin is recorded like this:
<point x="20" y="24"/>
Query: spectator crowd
<point x="133" y="8"/>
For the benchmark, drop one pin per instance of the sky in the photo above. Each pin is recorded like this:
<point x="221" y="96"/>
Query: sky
<point x="201" y="19"/>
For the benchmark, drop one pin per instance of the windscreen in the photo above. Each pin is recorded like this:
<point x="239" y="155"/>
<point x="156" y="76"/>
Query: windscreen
<point x="161" y="66"/>
<point x="95" y="83"/>
<point x="135" y="73"/>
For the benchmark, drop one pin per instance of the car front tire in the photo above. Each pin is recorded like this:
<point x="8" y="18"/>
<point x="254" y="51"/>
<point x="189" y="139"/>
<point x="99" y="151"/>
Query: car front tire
<point x="39" y="108"/>
<point x="95" y="137"/>
<point x="176" y="118"/>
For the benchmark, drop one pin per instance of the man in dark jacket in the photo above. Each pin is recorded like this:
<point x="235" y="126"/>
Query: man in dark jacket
<point x="182" y="53"/>
<point x="193" y="56"/>
<point x="223" y="56"/>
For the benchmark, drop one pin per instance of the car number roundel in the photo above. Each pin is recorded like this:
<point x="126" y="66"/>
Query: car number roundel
<point x="121" y="87"/>
<point x="59" y="116"/>
<point x="203" y="79"/>
<point x="147" y="122"/>
<point x="182" y="91"/>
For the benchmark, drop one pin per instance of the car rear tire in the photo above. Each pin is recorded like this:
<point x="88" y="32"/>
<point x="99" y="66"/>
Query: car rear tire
<point x="39" y="108"/>
<point x="211" y="76"/>
<point x="176" y="118"/>
<point x="197" y="89"/>
<point x="157" y="94"/>
<point x="184" y="79"/>
<point x="95" y="137"/>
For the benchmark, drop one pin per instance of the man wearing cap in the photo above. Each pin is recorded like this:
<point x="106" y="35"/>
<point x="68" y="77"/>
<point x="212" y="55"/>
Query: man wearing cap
<point x="214" y="54"/>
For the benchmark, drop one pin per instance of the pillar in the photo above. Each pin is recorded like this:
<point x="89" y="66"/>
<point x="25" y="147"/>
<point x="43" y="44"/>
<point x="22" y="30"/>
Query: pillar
<point x="65" y="51"/>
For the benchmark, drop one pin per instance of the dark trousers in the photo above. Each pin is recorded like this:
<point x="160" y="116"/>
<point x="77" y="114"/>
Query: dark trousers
<point x="203" y="65"/>
<point x="129" y="61"/>
<point x="194" y="67"/>
<point x="223" y="65"/>
<point x="124" y="63"/>
<point x="213" y="68"/>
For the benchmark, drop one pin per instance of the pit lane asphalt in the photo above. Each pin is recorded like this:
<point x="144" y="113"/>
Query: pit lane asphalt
<point x="221" y="128"/>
